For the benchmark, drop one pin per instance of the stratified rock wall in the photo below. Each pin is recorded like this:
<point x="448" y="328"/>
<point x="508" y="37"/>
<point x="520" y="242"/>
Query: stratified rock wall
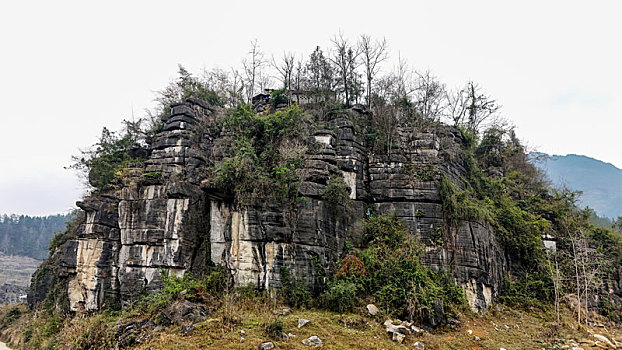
<point x="406" y="183"/>
<point x="166" y="218"/>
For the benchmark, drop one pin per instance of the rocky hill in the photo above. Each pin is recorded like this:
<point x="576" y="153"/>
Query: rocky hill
<point x="167" y="217"/>
<point x="305" y="198"/>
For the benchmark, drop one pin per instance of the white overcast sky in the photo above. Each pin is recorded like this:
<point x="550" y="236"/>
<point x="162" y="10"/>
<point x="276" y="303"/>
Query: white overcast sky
<point x="68" y="68"/>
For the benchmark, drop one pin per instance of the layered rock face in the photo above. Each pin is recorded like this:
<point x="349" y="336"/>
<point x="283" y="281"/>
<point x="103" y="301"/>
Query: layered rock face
<point x="407" y="183"/>
<point x="166" y="218"/>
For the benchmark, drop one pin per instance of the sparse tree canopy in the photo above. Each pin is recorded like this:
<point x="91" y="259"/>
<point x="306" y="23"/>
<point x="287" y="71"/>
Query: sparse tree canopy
<point x="345" y="58"/>
<point x="253" y="64"/>
<point x="471" y="108"/>
<point x="373" y="53"/>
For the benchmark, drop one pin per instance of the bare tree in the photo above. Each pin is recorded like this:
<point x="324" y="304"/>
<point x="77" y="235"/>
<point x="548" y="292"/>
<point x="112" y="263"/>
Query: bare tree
<point x="236" y="88"/>
<point x="470" y="108"/>
<point x="285" y="67"/>
<point x="373" y="53"/>
<point x="430" y="96"/>
<point x="345" y="59"/>
<point x="297" y="80"/>
<point x="404" y="86"/>
<point x="252" y="68"/>
<point x="264" y="80"/>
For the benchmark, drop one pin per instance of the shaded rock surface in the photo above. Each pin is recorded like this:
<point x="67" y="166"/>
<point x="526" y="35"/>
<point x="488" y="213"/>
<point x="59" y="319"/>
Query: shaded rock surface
<point x="177" y="223"/>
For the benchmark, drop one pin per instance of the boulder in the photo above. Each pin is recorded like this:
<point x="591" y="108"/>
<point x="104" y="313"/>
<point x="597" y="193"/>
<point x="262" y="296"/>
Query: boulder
<point x="183" y="311"/>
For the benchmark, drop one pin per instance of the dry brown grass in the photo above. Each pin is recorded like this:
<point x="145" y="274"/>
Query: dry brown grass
<point x="499" y="327"/>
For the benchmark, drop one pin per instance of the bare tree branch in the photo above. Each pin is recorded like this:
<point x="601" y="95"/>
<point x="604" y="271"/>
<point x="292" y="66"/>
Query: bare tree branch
<point x="373" y="53"/>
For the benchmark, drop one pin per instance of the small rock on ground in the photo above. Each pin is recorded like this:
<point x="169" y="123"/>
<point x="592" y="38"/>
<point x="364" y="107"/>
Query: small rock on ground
<point x="398" y="337"/>
<point x="372" y="309"/>
<point x="312" y="341"/>
<point x="391" y="328"/>
<point x="605" y="340"/>
<point x="283" y="311"/>
<point x="419" y="346"/>
<point x="302" y="322"/>
<point x="266" y="346"/>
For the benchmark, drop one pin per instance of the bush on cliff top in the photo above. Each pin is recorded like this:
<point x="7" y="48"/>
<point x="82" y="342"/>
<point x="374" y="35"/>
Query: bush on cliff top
<point x="103" y="165"/>
<point x="265" y="154"/>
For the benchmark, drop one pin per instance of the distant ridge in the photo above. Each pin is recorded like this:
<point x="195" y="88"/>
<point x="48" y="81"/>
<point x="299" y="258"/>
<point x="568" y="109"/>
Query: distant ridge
<point x="600" y="182"/>
<point x="29" y="235"/>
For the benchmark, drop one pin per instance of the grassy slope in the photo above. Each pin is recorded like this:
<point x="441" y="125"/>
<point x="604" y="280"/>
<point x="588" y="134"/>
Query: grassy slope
<point x="500" y="327"/>
<point x="525" y="330"/>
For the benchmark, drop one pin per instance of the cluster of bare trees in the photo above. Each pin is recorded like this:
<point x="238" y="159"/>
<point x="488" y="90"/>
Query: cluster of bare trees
<point x="576" y="267"/>
<point x="350" y="72"/>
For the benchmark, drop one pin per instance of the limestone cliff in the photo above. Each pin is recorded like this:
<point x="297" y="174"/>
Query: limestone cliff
<point x="165" y="217"/>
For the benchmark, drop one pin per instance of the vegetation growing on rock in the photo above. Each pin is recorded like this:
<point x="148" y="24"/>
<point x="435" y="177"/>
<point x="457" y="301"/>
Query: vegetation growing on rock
<point x="323" y="194"/>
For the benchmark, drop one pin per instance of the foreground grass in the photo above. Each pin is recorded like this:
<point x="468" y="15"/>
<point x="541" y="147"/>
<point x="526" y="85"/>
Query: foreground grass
<point x="242" y="325"/>
<point x="503" y="328"/>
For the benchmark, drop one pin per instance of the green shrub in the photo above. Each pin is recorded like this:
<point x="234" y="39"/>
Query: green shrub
<point x="106" y="162"/>
<point x="277" y="97"/>
<point x="210" y="286"/>
<point x="337" y="192"/>
<point x="527" y="289"/>
<point x="459" y="205"/>
<point x="388" y="268"/>
<point x="341" y="295"/>
<point x="274" y="329"/>
<point x="425" y="172"/>
<point x="265" y="155"/>
<point x="294" y="291"/>
<point x="10" y="317"/>
<point x="61" y="237"/>
<point x="153" y="175"/>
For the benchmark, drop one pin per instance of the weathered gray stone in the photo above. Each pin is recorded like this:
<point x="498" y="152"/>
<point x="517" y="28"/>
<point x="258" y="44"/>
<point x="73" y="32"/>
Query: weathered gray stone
<point x="313" y="341"/>
<point x="398" y="337"/>
<point x="183" y="311"/>
<point x="167" y="217"/>
<point x="601" y="338"/>
<point x="186" y="329"/>
<point x="372" y="309"/>
<point x="266" y="346"/>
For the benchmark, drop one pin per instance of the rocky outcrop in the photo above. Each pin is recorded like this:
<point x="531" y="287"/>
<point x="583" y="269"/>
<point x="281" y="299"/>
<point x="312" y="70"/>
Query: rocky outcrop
<point x="166" y="218"/>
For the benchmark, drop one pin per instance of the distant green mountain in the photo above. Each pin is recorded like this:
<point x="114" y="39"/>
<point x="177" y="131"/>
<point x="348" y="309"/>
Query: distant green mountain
<point x="600" y="182"/>
<point x="29" y="235"/>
